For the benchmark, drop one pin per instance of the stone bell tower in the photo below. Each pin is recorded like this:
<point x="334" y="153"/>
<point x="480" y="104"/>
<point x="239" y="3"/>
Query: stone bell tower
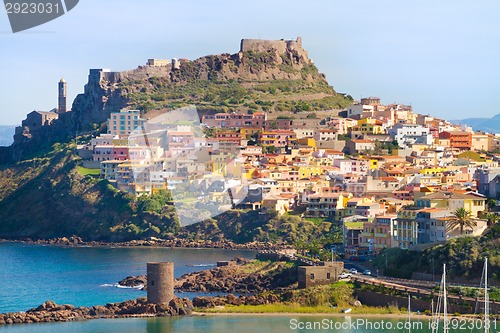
<point x="62" y="106"/>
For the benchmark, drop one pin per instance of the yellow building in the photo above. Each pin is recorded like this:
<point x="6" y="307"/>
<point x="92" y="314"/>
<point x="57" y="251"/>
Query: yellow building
<point x="249" y="172"/>
<point x="248" y="132"/>
<point x="368" y="126"/>
<point x="372" y="162"/>
<point x="120" y="141"/>
<point x="310" y="142"/>
<point x="480" y="141"/>
<point x="309" y="171"/>
<point x="433" y="171"/>
<point x="473" y="202"/>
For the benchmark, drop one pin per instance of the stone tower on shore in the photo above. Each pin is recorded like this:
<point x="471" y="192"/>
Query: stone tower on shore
<point x="160" y="282"/>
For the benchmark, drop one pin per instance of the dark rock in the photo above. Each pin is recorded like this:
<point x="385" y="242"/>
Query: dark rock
<point x="48" y="305"/>
<point x="203" y="302"/>
<point x="100" y="311"/>
<point x="187" y="303"/>
<point x="176" y="304"/>
<point x="134" y="281"/>
<point x="233" y="300"/>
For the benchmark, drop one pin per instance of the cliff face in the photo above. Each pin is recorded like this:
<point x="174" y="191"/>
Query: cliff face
<point x="271" y="76"/>
<point x="99" y="99"/>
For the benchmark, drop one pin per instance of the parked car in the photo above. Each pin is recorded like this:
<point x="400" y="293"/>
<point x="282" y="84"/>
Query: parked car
<point x="353" y="271"/>
<point x="367" y="272"/>
<point x="344" y="276"/>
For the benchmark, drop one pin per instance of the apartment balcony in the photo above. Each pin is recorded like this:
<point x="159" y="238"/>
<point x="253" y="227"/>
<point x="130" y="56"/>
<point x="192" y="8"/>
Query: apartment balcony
<point x="367" y="234"/>
<point x="379" y="235"/>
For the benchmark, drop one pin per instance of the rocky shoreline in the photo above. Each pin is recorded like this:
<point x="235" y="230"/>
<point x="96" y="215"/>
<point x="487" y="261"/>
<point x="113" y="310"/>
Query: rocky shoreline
<point x="171" y="243"/>
<point x="52" y="312"/>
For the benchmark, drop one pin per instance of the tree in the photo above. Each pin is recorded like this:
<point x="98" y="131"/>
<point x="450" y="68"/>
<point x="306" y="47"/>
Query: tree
<point x="492" y="218"/>
<point x="463" y="218"/>
<point x="492" y="203"/>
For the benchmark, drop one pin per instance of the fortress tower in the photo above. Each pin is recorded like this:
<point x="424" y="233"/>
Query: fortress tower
<point x="62" y="106"/>
<point x="160" y="282"/>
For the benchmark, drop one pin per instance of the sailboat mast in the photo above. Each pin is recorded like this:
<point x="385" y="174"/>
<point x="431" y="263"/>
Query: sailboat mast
<point x="409" y="314"/>
<point x="486" y="298"/>
<point x="445" y="306"/>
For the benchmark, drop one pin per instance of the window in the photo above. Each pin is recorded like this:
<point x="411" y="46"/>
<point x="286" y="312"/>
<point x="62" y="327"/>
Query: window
<point x="311" y="276"/>
<point x="328" y="276"/>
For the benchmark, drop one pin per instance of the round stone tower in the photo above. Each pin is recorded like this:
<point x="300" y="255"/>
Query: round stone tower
<point x="160" y="282"/>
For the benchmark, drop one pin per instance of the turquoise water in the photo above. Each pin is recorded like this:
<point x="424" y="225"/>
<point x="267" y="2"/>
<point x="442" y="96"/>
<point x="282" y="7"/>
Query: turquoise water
<point x="226" y="324"/>
<point x="84" y="276"/>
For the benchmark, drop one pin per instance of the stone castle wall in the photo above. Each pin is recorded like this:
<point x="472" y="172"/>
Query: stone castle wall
<point x="281" y="46"/>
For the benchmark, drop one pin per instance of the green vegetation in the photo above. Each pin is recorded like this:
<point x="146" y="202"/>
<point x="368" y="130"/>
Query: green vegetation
<point x="380" y="147"/>
<point x="320" y="299"/>
<point x="155" y="202"/>
<point x="51" y="196"/>
<point x="343" y="137"/>
<point x="462" y="218"/>
<point x="88" y="172"/>
<point x="297" y="308"/>
<point x="243" y="226"/>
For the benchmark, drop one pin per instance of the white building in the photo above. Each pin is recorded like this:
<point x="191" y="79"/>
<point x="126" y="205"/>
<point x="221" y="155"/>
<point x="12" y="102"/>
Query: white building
<point x="348" y="166"/>
<point x="325" y="135"/>
<point x="359" y="110"/>
<point x="304" y="132"/>
<point x="409" y="134"/>
<point x="103" y="153"/>
<point x="124" y="122"/>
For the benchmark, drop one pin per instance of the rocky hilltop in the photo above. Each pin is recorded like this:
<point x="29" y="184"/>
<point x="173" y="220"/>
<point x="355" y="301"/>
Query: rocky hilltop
<point x="271" y="76"/>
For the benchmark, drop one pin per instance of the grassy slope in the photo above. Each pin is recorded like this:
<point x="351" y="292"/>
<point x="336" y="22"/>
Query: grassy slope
<point x="48" y="197"/>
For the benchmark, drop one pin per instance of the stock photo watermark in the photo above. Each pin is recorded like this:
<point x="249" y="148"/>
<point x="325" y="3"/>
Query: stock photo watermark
<point x="349" y="324"/>
<point x="27" y="14"/>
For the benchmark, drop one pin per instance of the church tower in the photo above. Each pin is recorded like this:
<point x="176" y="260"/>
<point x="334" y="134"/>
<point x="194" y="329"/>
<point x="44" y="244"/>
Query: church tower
<point x="62" y="108"/>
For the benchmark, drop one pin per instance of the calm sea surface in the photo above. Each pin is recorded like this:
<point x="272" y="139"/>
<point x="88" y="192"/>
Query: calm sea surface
<point x="231" y="324"/>
<point x="32" y="274"/>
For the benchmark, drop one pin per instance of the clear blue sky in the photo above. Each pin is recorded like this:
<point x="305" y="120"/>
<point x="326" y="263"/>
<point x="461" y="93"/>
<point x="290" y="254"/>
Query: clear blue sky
<point x="440" y="56"/>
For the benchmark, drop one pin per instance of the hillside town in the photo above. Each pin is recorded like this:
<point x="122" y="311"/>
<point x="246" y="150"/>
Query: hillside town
<point x="388" y="176"/>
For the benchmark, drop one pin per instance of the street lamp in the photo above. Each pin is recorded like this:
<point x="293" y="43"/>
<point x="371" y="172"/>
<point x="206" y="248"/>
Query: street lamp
<point x="432" y="260"/>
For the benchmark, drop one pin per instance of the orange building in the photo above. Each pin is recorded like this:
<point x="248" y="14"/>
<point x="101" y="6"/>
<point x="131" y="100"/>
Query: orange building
<point x="458" y="139"/>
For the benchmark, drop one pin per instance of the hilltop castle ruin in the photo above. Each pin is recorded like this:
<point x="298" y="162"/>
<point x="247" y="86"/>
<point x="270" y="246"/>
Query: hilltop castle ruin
<point x="281" y="46"/>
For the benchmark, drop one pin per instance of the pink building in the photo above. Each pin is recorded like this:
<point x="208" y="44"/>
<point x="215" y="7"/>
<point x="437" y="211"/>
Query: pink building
<point x="180" y="139"/>
<point x="234" y="120"/>
<point x="120" y="153"/>
<point x="233" y="137"/>
<point x="277" y="138"/>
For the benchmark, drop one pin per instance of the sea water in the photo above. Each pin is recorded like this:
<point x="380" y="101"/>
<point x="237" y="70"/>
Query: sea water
<point x="86" y="276"/>
<point x="285" y="323"/>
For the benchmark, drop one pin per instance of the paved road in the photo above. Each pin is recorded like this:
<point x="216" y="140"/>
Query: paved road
<point x="401" y="287"/>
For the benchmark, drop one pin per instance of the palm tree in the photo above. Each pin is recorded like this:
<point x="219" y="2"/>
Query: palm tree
<point x="463" y="218"/>
<point x="492" y="218"/>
